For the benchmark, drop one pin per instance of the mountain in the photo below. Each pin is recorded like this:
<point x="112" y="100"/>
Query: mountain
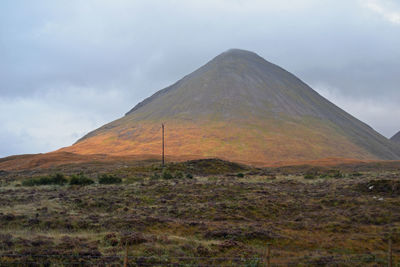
<point x="396" y="138"/>
<point x="243" y="108"/>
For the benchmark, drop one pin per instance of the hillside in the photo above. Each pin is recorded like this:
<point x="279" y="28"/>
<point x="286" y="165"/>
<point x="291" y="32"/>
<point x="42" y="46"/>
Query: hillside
<point x="396" y="138"/>
<point x="242" y="108"/>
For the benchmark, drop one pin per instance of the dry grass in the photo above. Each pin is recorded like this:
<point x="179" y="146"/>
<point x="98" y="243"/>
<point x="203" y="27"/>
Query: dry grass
<point x="267" y="141"/>
<point x="214" y="215"/>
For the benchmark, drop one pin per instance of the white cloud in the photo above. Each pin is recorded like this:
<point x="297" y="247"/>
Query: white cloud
<point x="55" y="118"/>
<point x="387" y="9"/>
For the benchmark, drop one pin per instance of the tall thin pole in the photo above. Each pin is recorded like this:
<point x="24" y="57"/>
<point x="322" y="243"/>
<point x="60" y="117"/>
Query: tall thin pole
<point x="126" y="255"/>
<point x="163" y="161"/>
<point x="390" y="253"/>
<point x="268" y="256"/>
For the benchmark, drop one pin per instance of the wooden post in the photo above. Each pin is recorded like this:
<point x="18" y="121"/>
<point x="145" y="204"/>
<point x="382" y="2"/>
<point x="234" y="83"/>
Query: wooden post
<point x="390" y="253"/>
<point x="163" y="161"/>
<point x="267" y="259"/>
<point x="126" y="255"/>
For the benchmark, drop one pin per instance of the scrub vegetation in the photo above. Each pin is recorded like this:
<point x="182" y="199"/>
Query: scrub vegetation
<point x="200" y="212"/>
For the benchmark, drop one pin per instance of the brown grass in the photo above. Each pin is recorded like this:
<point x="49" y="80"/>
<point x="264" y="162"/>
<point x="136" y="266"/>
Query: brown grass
<point x="214" y="215"/>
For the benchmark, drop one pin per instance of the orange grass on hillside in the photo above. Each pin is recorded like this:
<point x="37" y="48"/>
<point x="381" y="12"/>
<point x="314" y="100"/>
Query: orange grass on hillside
<point x="257" y="143"/>
<point x="54" y="159"/>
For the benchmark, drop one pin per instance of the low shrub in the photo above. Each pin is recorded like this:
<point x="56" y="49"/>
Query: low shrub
<point x="189" y="176"/>
<point x="31" y="182"/>
<point x="324" y="175"/>
<point x="381" y="186"/>
<point x="111" y="239"/>
<point x="337" y="174"/>
<point x="310" y="176"/>
<point x="109" y="179"/>
<point x="254" y="262"/>
<point x="178" y="175"/>
<point x="167" y="175"/>
<point x="212" y="179"/>
<point x="80" y="179"/>
<point x="55" y="179"/>
<point x="240" y="175"/>
<point x="155" y="176"/>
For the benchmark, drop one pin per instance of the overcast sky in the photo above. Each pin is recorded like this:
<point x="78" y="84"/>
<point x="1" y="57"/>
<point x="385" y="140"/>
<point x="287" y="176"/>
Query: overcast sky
<point x="69" y="66"/>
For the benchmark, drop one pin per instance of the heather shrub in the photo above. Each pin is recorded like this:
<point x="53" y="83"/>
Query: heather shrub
<point x="109" y="179"/>
<point x="337" y="174"/>
<point x="167" y="175"/>
<point x="80" y="179"/>
<point x="55" y="179"/>
<point x="310" y="176"/>
<point x="178" y="175"/>
<point x="155" y="176"/>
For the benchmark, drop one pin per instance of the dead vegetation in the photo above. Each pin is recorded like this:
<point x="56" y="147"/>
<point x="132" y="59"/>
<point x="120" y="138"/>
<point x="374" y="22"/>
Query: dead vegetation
<point x="216" y="214"/>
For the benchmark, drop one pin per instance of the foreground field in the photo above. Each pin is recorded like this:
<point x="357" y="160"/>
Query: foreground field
<point x="206" y="212"/>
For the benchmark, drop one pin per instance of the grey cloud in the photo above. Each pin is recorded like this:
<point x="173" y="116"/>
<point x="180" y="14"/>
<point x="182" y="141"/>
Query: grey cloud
<point x="376" y="112"/>
<point x="73" y="53"/>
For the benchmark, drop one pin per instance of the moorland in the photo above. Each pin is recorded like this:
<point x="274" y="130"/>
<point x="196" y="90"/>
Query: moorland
<point x="200" y="212"/>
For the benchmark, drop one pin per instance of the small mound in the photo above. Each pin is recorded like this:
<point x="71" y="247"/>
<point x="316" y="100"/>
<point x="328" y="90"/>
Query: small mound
<point x="215" y="166"/>
<point x="205" y="167"/>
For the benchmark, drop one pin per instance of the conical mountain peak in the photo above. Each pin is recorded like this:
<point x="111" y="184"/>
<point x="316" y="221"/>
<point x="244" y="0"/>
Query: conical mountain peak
<point x="239" y="53"/>
<point x="235" y="57"/>
<point x="242" y="108"/>
<point x="235" y="84"/>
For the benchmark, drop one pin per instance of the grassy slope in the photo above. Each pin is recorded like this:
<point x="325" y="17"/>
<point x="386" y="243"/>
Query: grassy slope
<point x="259" y="142"/>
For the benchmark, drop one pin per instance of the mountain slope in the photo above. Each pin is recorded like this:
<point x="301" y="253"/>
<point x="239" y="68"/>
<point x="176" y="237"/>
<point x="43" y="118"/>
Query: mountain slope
<point x="396" y="138"/>
<point x="239" y="107"/>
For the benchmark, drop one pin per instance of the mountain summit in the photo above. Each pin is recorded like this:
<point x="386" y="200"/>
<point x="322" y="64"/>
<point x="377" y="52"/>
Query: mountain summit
<point x="242" y="108"/>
